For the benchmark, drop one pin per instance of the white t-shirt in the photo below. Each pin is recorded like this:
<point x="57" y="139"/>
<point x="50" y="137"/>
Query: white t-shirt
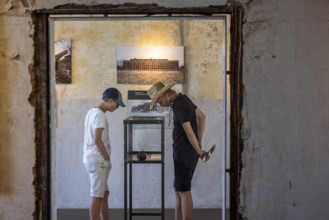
<point x="95" y="118"/>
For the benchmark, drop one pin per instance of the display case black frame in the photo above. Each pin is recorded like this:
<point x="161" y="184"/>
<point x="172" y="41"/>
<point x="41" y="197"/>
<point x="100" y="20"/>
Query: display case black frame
<point x="130" y="159"/>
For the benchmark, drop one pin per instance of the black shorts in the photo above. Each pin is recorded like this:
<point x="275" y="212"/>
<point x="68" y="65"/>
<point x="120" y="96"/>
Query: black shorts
<point x="184" y="167"/>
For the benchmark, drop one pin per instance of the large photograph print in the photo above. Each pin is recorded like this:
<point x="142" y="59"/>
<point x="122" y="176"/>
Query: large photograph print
<point x="63" y="62"/>
<point x="150" y="64"/>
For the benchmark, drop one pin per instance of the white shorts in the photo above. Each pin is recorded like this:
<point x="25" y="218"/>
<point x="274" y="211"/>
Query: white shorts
<point x="98" y="175"/>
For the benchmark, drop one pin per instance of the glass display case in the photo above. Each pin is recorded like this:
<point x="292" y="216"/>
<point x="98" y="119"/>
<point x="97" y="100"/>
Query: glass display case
<point x="143" y="144"/>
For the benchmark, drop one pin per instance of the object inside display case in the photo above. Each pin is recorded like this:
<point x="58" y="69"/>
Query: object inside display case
<point x="144" y="138"/>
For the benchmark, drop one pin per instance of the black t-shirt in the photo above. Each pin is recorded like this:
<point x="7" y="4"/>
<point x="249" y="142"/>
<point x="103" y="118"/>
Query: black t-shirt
<point x="184" y="111"/>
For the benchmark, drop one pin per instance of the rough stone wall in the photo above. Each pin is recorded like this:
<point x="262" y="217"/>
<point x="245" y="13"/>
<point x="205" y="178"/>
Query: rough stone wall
<point x="17" y="151"/>
<point x="285" y="114"/>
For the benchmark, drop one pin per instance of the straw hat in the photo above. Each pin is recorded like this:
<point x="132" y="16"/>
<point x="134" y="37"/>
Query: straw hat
<point x="157" y="90"/>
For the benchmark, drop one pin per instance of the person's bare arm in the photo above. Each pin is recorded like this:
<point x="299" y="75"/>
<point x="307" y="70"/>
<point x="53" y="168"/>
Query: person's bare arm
<point x="99" y="143"/>
<point x="201" y="121"/>
<point x="193" y="140"/>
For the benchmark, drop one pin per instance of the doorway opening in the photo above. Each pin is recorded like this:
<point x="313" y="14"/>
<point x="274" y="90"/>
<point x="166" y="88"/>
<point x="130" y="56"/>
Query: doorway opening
<point x="45" y="22"/>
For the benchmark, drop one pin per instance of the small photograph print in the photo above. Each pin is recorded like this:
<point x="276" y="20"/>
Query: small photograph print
<point x="150" y="64"/>
<point x="139" y="103"/>
<point x="63" y="61"/>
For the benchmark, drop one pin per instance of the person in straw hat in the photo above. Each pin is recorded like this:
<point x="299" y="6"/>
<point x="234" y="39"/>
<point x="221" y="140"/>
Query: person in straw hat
<point x="189" y="125"/>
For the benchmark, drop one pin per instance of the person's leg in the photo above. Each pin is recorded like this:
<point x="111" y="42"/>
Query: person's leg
<point x="98" y="174"/>
<point x="182" y="185"/>
<point x="178" y="209"/>
<point x="105" y="207"/>
<point x="106" y="167"/>
<point x="94" y="209"/>
<point x="187" y="204"/>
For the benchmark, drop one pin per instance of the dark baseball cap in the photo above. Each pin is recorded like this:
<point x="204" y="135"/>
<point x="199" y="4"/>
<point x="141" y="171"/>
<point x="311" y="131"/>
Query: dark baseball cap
<point x="114" y="94"/>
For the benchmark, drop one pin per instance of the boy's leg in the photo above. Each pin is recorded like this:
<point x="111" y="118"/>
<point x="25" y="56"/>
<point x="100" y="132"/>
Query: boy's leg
<point x="98" y="174"/>
<point x="95" y="207"/>
<point x="178" y="209"/>
<point x="104" y="204"/>
<point x="105" y="207"/>
<point x="187" y="205"/>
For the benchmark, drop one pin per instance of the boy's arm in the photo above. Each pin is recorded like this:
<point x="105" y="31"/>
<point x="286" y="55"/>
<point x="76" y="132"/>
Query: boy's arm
<point x="99" y="143"/>
<point x="201" y="121"/>
<point x="193" y="140"/>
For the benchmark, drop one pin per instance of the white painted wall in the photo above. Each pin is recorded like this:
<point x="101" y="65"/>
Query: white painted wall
<point x="72" y="185"/>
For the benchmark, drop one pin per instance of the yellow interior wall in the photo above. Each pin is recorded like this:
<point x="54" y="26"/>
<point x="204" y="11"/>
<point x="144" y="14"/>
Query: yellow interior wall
<point x="94" y="53"/>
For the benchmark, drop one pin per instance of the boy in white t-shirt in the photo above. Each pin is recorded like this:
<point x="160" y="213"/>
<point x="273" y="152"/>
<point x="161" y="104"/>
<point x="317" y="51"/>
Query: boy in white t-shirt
<point x="97" y="151"/>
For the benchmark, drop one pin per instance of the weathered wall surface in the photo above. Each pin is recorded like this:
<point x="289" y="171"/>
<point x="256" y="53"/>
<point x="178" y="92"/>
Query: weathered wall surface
<point x="285" y="110"/>
<point x="16" y="117"/>
<point x="286" y="74"/>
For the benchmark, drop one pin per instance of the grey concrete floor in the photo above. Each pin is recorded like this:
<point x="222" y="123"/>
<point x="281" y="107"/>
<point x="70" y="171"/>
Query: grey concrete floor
<point x="118" y="214"/>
